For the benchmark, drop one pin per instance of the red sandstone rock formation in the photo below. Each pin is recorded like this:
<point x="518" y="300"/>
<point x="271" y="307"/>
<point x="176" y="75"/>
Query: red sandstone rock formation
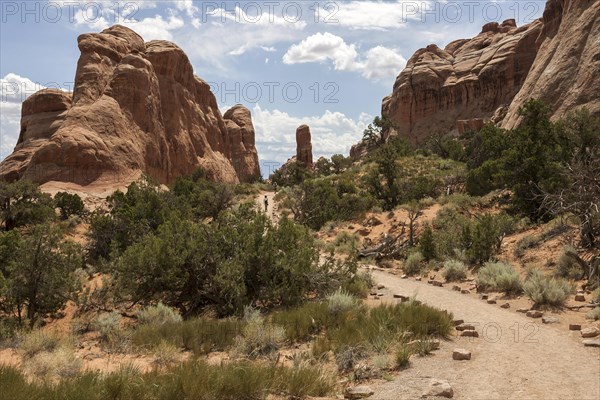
<point x="468" y="79"/>
<point x="244" y="157"/>
<point x="555" y="59"/>
<point x="304" y="146"/>
<point x="135" y="107"/>
<point x="566" y="71"/>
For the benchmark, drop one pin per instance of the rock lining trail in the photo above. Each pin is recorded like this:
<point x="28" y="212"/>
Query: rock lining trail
<point x="526" y="360"/>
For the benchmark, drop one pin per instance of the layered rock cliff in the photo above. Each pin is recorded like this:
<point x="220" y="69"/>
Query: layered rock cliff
<point x="487" y="78"/>
<point x="566" y="71"/>
<point x="136" y="107"/>
<point x="466" y="79"/>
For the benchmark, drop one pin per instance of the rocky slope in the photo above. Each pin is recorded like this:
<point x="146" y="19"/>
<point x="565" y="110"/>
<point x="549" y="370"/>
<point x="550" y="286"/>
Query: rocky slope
<point x="490" y="76"/>
<point x="136" y="107"/>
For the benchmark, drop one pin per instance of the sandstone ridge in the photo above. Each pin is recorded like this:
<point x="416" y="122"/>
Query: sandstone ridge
<point x="136" y="108"/>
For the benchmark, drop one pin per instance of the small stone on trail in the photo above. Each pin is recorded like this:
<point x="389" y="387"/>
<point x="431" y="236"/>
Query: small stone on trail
<point x="591" y="343"/>
<point x="534" y="314"/>
<point x="483" y="297"/>
<point x="491" y="301"/>
<point x="580" y="298"/>
<point x="590" y="332"/>
<point x="522" y="310"/>
<point x="574" y="327"/>
<point x="457" y="322"/>
<point x="456" y="288"/>
<point x="505" y="305"/>
<point x="465" y="327"/>
<point x="550" y="320"/>
<point x="469" y="334"/>
<point x="465" y="291"/>
<point x="380" y="286"/>
<point x="461" y="354"/>
<point x="439" y="388"/>
<point x="358" y="392"/>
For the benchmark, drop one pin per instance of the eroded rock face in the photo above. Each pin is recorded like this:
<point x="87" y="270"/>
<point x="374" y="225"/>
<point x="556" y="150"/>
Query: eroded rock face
<point x="135" y="107"/>
<point x="244" y="157"/>
<point x="489" y="77"/>
<point x="467" y="79"/>
<point x="566" y="71"/>
<point x="304" y="146"/>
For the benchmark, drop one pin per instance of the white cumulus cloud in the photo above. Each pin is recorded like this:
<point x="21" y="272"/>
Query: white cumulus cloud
<point x="156" y="28"/>
<point x="377" y="62"/>
<point x="14" y="89"/>
<point x="374" y="15"/>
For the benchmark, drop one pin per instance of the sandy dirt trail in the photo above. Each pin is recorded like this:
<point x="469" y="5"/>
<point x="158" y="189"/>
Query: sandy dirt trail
<point x="272" y="211"/>
<point x="515" y="357"/>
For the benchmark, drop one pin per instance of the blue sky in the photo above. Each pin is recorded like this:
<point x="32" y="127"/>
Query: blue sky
<point x="324" y="63"/>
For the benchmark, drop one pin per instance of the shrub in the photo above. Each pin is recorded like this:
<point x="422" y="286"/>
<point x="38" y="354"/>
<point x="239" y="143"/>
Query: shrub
<point x="424" y="347"/>
<point x="39" y="341"/>
<point x="485" y="239"/>
<point x="242" y="258"/>
<point x="547" y="291"/>
<point x="165" y="354"/>
<point x="41" y="281"/>
<point x="318" y="201"/>
<point x="199" y="335"/>
<point x="359" y="285"/>
<point x="133" y="215"/>
<point x="68" y="204"/>
<point x="106" y="324"/>
<point x="191" y="380"/>
<point x="403" y="353"/>
<point x="9" y="330"/>
<point x="427" y="244"/>
<point x="593" y="314"/>
<point x="158" y="315"/>
<point x="347" y="358"/>
<point x="346" y="242"/>
<point x="61" y="363"/>
<point x="290" y="174"/>
<point x="258" y="338"/>
<point x="23" y="203"/>
<point x="413" y="264"/>
<point x="378" y="328"/>
<point x="303" y="322"/>
<point x="567" y="266"/>
<point x="118" y="341"/>
<point x="454" y="271"/>
<point x="526" y="242"/>
<point x="340" y="302"/>
<point x="500" y="277"/>
<point x="596" y="295"/>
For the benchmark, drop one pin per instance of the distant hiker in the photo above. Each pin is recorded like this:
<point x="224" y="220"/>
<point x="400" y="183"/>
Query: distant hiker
<point x="266" y="203"/>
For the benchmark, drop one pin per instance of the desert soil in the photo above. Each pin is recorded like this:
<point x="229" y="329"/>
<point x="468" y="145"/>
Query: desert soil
<point x="515" y="357"/>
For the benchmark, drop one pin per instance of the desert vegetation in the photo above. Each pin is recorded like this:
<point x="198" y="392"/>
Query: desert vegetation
<point x="184" y="275"/>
